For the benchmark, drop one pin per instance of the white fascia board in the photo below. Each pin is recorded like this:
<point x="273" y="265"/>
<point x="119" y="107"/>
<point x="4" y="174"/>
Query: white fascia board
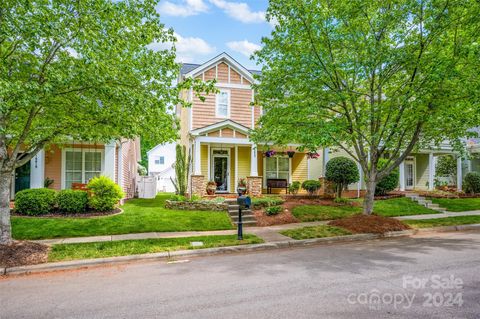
<point x="223" y="56"/>
<point x="227" y="123"/>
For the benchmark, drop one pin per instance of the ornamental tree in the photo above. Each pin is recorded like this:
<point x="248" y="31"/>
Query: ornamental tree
<point x="374" y="78"/>
<point x="342" y="171"/>
<point x="81" y="70"/>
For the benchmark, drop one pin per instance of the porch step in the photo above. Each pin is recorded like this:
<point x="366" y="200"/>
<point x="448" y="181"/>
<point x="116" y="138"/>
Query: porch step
<point x="247" y="223"/>
<point x="426" y="202"/>
<point x="248" y="219"/>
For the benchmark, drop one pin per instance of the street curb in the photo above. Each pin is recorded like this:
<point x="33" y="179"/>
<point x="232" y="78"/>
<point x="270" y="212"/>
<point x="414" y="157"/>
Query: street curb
<point x="88" y="263"/>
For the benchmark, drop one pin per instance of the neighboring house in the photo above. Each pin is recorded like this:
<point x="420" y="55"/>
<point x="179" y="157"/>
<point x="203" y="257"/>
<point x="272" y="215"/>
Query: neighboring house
<point x="161" y="160"/>
<point x="77" y="163"/>
<point x="217" y="130"/>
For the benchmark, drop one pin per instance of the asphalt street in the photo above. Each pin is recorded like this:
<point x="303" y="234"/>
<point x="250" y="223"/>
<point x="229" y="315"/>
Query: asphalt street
<point x="428" y="276"/>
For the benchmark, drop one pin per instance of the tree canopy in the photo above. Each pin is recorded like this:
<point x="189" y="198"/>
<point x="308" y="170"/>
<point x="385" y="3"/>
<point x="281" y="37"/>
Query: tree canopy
<point x="376" y="78"/>
<point x="83" y="71"/>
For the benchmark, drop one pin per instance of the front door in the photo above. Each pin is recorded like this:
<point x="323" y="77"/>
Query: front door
<point x="220" y="172"/>
<point x="22" y="177"/>
<point x="409" y="175"/>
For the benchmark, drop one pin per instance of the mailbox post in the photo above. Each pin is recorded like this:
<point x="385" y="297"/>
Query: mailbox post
<point x="243" y="202"/>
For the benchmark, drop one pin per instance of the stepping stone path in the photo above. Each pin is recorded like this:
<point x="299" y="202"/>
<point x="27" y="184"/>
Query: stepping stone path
<point x="248" y="218"/>
<point x="425" y="202"/>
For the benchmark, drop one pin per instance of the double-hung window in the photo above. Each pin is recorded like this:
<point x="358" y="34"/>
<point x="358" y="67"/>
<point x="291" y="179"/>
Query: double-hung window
<point x="81" y="165"/>
<point x="160" y="160"/>
<point x="277" y="167"/>
<point x="222" y="108"/>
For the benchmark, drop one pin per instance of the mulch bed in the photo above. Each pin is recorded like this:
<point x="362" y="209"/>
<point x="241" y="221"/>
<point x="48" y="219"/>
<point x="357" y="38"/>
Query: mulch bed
<point x="360" y="223"/>
<point x="87" y="214"/>
<point x="286" y="217"/>
<point x="21" y="253"/>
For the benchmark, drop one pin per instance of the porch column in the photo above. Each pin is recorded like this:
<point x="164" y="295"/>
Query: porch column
<point x="37" y="170"/>
<point x="431" y="171"/>
<point x="402" y="176"/>
<point x="326" y="154"/>
<point x="253" y="161"/>
<point x="197" y="170"/>
<point x="109" y="166"/>
<point x="459" y="173"/>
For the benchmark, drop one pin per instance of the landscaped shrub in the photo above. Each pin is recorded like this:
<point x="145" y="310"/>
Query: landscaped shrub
<point x="267" y="201"/>
<point x="342" y="171"/>
<point x="294" y="187"/>
<point x="340" y="200"/>
<point x="273" y="210"/>
<point x="311" y="186"/>
<point x="72" y="201"/>
<point x="37" y="201"/>
<point x="177" y="198"/>
<point x="104" y="193"/>
<point x="471" y="183"/>
<point x="389" y="182"/>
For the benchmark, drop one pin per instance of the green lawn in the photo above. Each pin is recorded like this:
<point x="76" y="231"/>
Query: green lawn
<point x="63" y="252"/>
<point x="447" y="221"/>
<point x="315" y="232"/>
<point x="458" y="204"/>
<point x="389" y="208"/>
<point x="139" y="216"/>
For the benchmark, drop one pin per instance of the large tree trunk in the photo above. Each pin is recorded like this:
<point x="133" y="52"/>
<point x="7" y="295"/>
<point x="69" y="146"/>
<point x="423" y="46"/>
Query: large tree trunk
<point x="369" y="197"/>
<point x="5" y="226"/>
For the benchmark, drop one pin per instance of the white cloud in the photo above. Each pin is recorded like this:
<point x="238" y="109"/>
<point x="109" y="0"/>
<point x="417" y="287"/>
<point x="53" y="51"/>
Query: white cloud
<point x="244" y="47"/>
<point x="240" y="11"/>
<point x="189" y="49"/>
<point x="183" y="8"/>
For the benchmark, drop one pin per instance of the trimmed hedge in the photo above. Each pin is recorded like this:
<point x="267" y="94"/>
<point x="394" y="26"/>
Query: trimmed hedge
<point x="311" y="186"/>
<point x="72" y="201"/>
<point x="273" y="210"/>
<point x="36" y="201"/>
<point x="471" y="183"/>
<point x="266" y="201"/>
<point x="389" y="182"/>
<point x="342" y="171"/>
<point x="104" y="194"/>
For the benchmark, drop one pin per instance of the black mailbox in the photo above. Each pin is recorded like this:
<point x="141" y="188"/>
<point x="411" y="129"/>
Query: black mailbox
<point x="244" y="201"/>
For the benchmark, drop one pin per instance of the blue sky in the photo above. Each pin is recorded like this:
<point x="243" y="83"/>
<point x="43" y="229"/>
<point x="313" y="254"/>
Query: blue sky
<point x="205" y="28"/>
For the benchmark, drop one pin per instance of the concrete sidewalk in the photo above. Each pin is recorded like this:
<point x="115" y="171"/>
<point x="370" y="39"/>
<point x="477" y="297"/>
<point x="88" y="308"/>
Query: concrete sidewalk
<point x="442" y="215"/>
<point x="268" y="234"/>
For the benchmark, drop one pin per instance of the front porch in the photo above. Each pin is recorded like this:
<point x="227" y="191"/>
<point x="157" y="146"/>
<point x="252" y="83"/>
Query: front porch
<point x="227" y="163"/>
<point x="418" y="171"/>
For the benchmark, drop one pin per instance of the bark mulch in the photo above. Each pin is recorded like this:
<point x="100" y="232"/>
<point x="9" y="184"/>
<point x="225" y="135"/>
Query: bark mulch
<point x="360" y="223"/>
<point x="21" y="253"/>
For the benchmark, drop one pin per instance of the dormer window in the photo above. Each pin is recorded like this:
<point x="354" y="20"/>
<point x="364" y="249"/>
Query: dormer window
<point x="223" y="104"/>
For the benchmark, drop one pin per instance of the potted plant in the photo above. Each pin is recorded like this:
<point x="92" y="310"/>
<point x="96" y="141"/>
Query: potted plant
<point x="290" y="153"/>
<point x="269" y="153"/>
<point x="211" y="187"/>
<point x="242" y="186"/>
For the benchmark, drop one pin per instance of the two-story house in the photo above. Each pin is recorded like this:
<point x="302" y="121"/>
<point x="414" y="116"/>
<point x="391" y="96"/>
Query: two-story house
<point x="217" y="133"/>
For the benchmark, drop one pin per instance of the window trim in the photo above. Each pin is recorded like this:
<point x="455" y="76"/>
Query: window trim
<point x="265" y="169"/>
<point x="228" y="104"/>
<point x="83" y="151"/>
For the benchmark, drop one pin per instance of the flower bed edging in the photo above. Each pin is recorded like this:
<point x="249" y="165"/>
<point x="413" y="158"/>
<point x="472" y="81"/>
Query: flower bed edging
<point x="202" y="205"/>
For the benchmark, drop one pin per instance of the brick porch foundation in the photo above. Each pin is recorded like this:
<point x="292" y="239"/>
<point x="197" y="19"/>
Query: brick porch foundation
<point x="199" y="185"/>
<point x="254" y="185"/>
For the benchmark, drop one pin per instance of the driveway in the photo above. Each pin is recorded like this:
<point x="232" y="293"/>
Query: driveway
<point x="434" y="276"/>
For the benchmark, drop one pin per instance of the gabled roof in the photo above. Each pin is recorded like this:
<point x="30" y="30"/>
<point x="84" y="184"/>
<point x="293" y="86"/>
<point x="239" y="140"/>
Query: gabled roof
<point x="160" y="145"/>
<point x="192" y="70"/>
<point x="221" y="125"/>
